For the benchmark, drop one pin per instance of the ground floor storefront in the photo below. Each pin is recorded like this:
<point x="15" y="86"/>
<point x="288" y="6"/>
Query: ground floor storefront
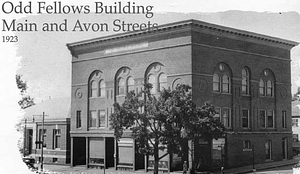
<point x="233" y="150"/>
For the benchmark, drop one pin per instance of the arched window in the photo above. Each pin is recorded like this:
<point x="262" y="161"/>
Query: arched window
<point x="266" y="84"/>
<point x="152" y="80"/>
<point x="225" y="84"/>
<point x="156" y="75"/>
<point x="269" y="88"/>
<point x="262" y="87"/>
<point x="216" y="83"/>
<point x="245" y="82"/>
<point x="130" y="84"/>
<point x="121" y="86"/>
<point x="93" y="87"/>
<point x="162" y="81"/>
<point x="101" y="88"/>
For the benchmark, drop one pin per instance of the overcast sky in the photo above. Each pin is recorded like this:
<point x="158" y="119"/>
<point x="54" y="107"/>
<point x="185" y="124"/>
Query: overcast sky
<point x="45" y="62"/>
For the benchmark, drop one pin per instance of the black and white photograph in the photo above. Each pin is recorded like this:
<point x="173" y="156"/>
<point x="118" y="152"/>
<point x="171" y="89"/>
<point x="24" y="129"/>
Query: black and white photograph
<point x="140" y="86"/>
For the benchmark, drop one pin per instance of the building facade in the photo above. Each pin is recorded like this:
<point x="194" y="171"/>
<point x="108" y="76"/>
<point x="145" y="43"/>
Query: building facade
<point x="53" y="136"/>
<point x="246" y="76"/>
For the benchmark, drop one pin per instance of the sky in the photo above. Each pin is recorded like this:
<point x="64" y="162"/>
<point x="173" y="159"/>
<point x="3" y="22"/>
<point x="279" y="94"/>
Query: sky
<point x="45" y="62"/>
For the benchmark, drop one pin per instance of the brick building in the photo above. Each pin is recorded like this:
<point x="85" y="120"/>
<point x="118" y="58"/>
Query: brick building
<point x="56" y="131"/>
<point x="246" y="75"/>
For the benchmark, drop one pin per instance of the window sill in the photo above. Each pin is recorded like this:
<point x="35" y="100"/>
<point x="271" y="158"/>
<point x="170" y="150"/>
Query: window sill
<point x="246" y="95"/>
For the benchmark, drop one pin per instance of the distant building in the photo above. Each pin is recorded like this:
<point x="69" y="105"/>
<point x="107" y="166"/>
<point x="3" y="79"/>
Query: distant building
<point x="296" y="126"/>
<point x="246" y="75"/>
<point x="56" y="131"/>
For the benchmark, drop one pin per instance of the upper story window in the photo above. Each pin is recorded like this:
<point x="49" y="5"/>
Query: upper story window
<point x="245" y="81"/>
<point x="222" y="79"/>
<point x="124" y="81"/>
<point x="266" y="84"/>
<point x="130" y="84"/>
<point x="101" y="88"/>
<point x="156" y="75"/>
<point x="162" y="82"/>
<point x="216" y="83"/>
<point x="121" y="86"/>
<point x="96" y="85"/>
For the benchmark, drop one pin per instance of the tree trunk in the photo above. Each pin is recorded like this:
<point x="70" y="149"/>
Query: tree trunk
<point x="156" y="157"/>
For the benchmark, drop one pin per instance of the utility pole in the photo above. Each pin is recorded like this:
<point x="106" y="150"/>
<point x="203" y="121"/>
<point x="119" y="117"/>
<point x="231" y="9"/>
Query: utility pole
<point x="42" y="142"/>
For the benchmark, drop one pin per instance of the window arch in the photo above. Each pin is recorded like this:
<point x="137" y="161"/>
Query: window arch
<point x="155" y="74"/>
<point x="245" y="82"/>
<point x="96" y="85"/>
<point x="124" y="81"/>
<point x="222" y="79"/>
<point x="267" y="83"/>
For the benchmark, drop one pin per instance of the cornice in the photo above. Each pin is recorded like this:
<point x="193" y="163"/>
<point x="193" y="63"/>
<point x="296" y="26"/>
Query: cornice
<point x="187" y="24"/>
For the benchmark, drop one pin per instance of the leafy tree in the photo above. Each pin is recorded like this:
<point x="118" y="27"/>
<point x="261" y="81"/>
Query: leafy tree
<point x="26" y="100"/>
<point x="165" y="122"/>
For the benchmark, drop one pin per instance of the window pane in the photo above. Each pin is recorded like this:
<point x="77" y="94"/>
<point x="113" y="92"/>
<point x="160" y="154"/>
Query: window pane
<point x="268" y="147"/>
<point x="284" y="124"/>
<point x="102" y="118"/>
<point x="270" y="119"/>
<point x="78" y="119"/>
<point x="162" y="80"/>
<point x="269" y="88"/>
<point x="245" y="82"/>
<point x="245" y="119"/>
<point x="102" y="88"/>
<point x="216" y="83"/>
<point x="121" y="86"/>
<point x="225" y="84"/>
<point x="93" y="118"/>
<point x="262" y="87"/>
<point x="130" y="84"/>
<point x="93" y="89"/>
<point x="226" y="117"/>
<point x="262" y="118"/>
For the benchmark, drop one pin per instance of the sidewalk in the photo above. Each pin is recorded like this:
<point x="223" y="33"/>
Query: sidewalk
<point x="61" y="169"/>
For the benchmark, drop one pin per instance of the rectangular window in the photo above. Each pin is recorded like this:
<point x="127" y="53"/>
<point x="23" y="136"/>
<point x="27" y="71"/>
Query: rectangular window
<point x="56" y="138"/>
<point x="284" y="148"/>
<point x="245" y="118"/>
<point x="268" y="147"/>
<point x="226" y="117"/>
<point x="270" y="119"/>
<point x="247" y="144"/>
<point x="93" y="118"/>
<point x="284" y="124"/>
<point x="295" y="122"/>
<point x="78" y="119"/>
<point x="101" y="118"/>
<point x="41" y="135"/>
<point x="217" y="115"/>
<point x="262" y="115"/>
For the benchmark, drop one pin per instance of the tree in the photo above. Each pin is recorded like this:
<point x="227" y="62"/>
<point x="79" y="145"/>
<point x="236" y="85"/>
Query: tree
<point x="26" y="100"/>
<point x="166" y="122"/>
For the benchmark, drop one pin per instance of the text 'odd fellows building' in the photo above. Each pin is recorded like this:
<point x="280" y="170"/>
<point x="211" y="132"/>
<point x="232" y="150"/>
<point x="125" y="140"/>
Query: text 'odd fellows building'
<point x="247" y="76"/>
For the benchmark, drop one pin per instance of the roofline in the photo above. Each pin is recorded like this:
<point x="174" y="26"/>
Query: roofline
<point x="190" y="22"/>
